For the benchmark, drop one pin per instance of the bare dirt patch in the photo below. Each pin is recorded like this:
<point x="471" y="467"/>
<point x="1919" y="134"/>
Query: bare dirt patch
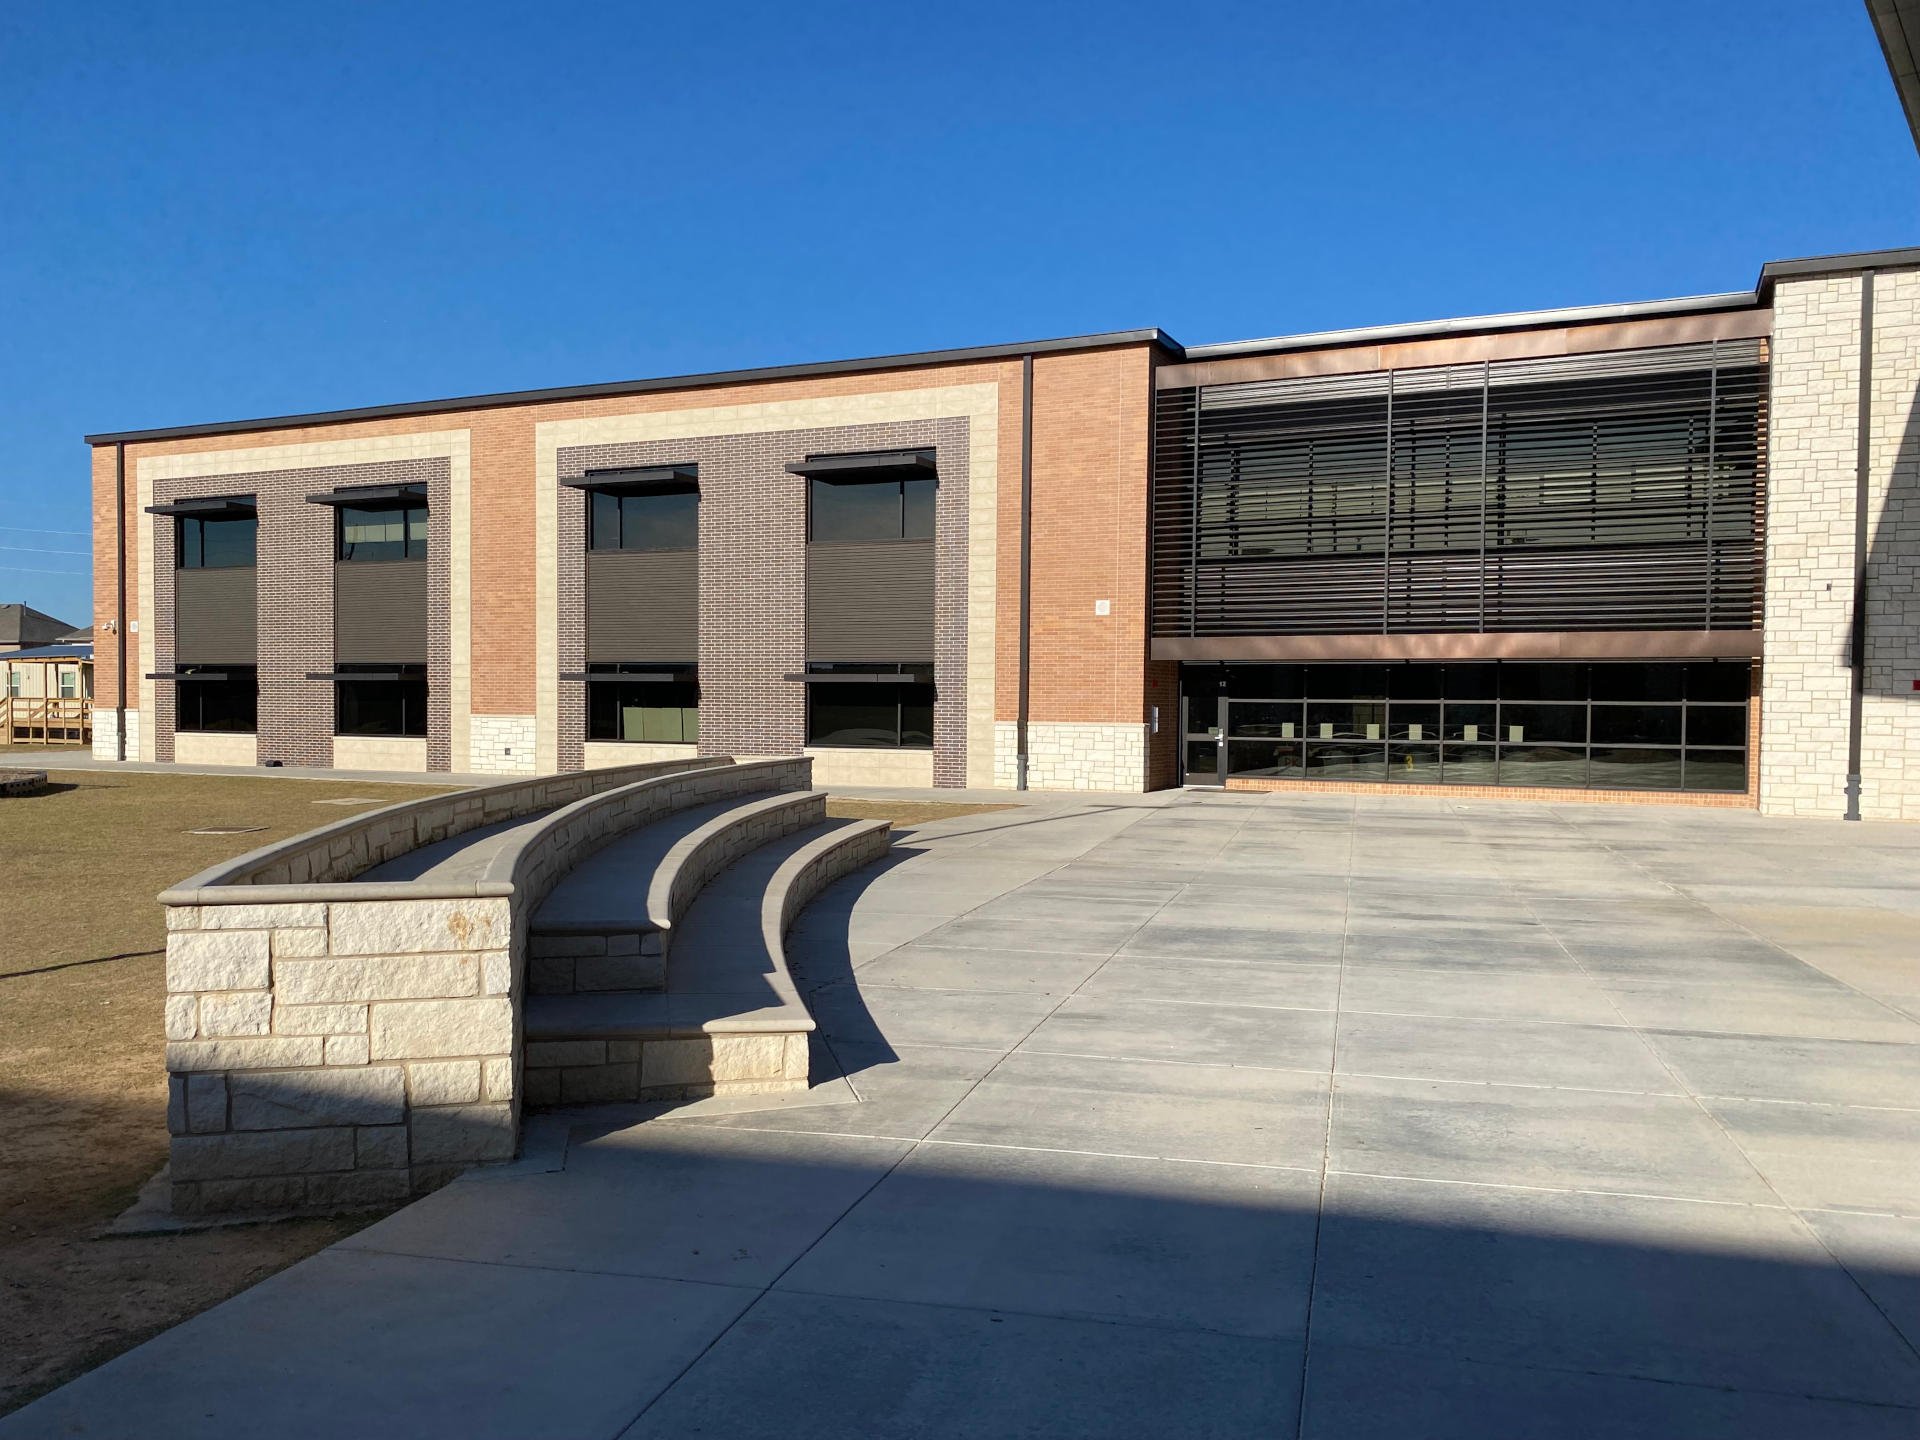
<point x="905" y="812"/>
<point x="83" y="1090"/>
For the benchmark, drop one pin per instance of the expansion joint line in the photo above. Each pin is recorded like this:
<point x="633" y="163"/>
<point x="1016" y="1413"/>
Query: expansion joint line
<point x="1326" y="1134"/>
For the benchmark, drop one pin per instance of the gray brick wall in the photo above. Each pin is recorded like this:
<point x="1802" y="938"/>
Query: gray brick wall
<point x="753" y="583"/>
<point x="294" y="599"/>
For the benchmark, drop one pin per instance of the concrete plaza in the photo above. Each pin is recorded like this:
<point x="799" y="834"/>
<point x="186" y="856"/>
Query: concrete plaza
<point x="1197" y="1115"/>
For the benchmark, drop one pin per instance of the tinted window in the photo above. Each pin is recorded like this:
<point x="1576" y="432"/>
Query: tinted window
<point x="399" y="534"/>
<point x="656" y="711"/>
<point x="227" y="699"/>
<point x="649" y="520"/>
<point x="917" y="509"/>
<point x="217" y="544"/>
<point x="378" y="706"/>
<point x="866" y="714"/>
<point x="873" y="510"/>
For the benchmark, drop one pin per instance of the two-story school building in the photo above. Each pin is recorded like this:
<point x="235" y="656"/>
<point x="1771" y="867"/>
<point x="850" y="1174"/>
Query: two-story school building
<point x="1665" y="550"/>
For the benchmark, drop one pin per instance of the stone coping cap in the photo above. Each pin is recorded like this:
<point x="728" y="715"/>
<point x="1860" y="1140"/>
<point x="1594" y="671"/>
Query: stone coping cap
<point x="684" y="851"/>
<point x="222" y="884"/>
<point x="337" y="891"/>
<point x="505" y="866"/>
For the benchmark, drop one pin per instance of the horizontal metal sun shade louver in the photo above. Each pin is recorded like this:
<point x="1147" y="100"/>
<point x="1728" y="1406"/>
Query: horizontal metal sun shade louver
<point x="210" y="507"/>
<point x="639" y="478"/>
<point x="373" y="497"/>
<point x="1620" y="491"/>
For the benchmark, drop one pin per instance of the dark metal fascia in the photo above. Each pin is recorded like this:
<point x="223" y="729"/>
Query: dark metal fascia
<point x="1833" y="265"/>
<point x="913" y="360"/>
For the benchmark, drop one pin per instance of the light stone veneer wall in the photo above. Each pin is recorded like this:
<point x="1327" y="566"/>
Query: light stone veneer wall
<point x="599" y="754"/>
<point x="1810" y="537"/>
<point x="195" y="747"/>
<point x="846" y="765"/>
<point x="106" y="734"/>
<point x="504" y="745"/>
<point x="379" y="752"/>
<point x="333" y="1044"/>
<point x="335" y="1054"/>
<point x="1073" y="756"/>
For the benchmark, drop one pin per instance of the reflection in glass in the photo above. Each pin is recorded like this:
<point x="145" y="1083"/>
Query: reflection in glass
<point x="1414" y="722"/>
<point x="1542" y="765"/>
<point x="1203" y="761"/>
<point x="1565" y="724"/>
<point x="1620" y="768"/>
<point x="1338" y="761"/>
<point x="1414" y="764"/>
<point x="1469" y="765"/>
<point x="1716" y="725"/>
<point x="1716" y="770"/>
<point x="1274" y="718"/>
<point x="1267" y="759"/>
<point x="1636" y="724"/>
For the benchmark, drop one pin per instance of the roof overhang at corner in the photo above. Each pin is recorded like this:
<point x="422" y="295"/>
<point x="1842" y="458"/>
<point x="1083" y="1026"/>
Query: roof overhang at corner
<point x="1897" y="23"/>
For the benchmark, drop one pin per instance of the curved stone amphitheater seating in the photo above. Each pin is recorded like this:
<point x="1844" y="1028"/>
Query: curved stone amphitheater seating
<point x="356" y="1014"/>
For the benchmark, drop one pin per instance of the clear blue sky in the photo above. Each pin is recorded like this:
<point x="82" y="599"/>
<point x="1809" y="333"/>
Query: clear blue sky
<point x="214" y="211"/>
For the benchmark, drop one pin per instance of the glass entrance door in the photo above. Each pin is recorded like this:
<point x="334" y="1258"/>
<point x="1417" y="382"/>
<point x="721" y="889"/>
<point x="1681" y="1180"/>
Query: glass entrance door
<point x="1203" y="748"/>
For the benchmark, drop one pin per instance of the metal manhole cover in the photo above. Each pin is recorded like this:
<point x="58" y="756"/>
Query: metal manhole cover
<point x="228" y="830"/>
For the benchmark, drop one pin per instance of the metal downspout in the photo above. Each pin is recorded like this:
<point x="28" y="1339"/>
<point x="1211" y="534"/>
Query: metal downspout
<point x="1026" y="568"/>
<point x="1857" y="642"/>
<point x="120" y="599"/>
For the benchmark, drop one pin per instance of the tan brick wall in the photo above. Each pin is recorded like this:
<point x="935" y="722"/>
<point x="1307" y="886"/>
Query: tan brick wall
<point x="502" y="607"/>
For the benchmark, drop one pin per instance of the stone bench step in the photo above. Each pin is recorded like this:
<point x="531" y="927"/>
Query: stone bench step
<point x="608" y="926"/>
<point x="730" y="1019"/>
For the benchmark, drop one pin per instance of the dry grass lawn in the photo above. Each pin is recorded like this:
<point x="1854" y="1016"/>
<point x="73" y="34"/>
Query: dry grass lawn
<point x="83" y="1091"/>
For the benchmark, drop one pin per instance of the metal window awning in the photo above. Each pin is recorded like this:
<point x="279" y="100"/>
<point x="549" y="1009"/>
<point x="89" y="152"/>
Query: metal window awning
<point x="211" y="507"/>
<point x="638" y="478"/>
<point x="374" y="497"/>
<point x="858" y="678"/>
<point x="608" y="677"/>
<point x="870" y="465"/>
<point x="357" y="675"/>
<point x="191" y="675"/>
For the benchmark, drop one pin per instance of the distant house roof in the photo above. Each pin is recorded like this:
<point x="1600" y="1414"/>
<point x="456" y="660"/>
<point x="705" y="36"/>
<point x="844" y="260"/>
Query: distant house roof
<point x="24" y="625"/>
<point x="49" y="652"/>
<point x="82" y="636"/>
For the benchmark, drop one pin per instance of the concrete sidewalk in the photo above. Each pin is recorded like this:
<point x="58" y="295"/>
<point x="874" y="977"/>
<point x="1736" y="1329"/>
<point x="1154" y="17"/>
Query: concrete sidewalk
<point x="1197" y="1115"/>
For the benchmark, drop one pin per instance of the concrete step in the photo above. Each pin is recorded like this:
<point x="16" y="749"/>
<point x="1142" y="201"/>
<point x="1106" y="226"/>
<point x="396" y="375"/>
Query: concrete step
<point x="729" y="1019"/>
<point x="608" y="926"/>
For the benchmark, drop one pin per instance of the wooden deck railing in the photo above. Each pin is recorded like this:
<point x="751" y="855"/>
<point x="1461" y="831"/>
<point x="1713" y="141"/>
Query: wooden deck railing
<point x="33" y="720"/>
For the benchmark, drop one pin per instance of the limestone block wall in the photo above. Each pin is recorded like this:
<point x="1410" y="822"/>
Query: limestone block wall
<point x="106" y="732"/>
<point x="336" y="1053"/>
<point x="1810" y="544"/>
<point x="1071" y="756"/>
<point x="333" y="1044"/>
<point x="503" y="745"/>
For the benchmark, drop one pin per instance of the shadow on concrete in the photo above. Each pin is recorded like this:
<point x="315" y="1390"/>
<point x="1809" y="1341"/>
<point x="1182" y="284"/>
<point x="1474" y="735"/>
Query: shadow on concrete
<point x="826" y="960"/>
<point x="679" y="1280"/>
